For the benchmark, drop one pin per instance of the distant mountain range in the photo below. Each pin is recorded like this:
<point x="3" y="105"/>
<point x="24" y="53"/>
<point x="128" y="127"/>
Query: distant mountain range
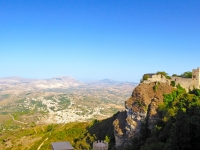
<point x="112" y="82"/>
<point x="63" y="82"/>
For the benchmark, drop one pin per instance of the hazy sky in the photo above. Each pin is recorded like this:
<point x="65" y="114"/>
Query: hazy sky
<point x="98" y="39"/>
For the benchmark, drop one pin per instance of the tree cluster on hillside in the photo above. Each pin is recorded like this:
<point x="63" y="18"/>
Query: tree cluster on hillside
<point x="179" y="127"/>
<point x="187" y="74"/>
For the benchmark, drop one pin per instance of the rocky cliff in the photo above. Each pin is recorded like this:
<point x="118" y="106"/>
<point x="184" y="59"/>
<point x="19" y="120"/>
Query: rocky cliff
<point x="140" y="112"/>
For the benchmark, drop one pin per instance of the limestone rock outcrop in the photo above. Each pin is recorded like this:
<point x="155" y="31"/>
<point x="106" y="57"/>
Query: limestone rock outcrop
<point x="140" y="108"/>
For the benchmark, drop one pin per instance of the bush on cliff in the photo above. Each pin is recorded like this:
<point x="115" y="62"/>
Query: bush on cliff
<point x="145" y="77"/>
<point x="163" y="73"/>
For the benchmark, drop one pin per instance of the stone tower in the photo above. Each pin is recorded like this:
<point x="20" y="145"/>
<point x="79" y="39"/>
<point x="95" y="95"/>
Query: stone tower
<point x="196" y="78"/>
<point x="100" y="145"/>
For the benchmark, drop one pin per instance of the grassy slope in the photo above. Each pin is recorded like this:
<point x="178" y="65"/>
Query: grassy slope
<point x="80" y="134"/>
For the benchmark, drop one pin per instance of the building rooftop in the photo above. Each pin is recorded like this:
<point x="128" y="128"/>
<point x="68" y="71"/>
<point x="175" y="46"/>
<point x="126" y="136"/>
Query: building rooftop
<point x="62" y="146"/>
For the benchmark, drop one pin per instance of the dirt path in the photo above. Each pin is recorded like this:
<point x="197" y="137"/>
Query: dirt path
<point x="35" y="130"/>
<point x="42" y="144"/>
<point x="42" y="128"/>
<point x="16" y="120"/>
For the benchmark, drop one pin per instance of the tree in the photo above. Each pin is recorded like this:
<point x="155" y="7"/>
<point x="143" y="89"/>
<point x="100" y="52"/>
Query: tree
<point x="173" y="83"/>
<point x="162" y="73"/>
<point x="187" y="74"/>
<point x="49" y="128"/>
<point x="107" y="139"/>
<point x="145" y="77"/>
<point x="174" y="75"/>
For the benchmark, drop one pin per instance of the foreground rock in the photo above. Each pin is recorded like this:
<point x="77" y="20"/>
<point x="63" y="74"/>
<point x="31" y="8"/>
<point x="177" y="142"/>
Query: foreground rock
<point x="141" y="109"/>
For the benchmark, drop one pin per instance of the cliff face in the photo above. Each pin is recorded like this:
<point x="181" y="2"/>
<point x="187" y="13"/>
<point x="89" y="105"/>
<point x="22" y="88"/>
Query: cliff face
<point x="141" y="109"/>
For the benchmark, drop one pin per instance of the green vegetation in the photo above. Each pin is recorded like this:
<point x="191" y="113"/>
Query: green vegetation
<point x="76" y="133"/>
<point x="179" y="127"/>
<point x="103" y="130"/>
<point x="145" y="77"/>
<point x="5" y="95"/>
<point x="187" y="74"/>
<point x="155" y="88"/>
<point x="174" y="75"/>
<point x="173" y="83"/>
<point x="163" y="73"/>
<point x="140" y="103"/>
<point x="80" y="134"/>
<point x="64" y="101"/>
<point x="107" y="139"/>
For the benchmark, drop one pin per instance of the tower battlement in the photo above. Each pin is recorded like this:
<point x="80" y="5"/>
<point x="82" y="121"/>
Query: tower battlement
<point x="100" y="145"/>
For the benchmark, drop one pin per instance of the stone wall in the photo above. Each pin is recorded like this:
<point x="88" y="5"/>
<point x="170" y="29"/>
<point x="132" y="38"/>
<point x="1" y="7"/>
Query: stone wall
<point x="157" y="78"/>
<point x="186" y="83"/>
<point x="196" y="77"/>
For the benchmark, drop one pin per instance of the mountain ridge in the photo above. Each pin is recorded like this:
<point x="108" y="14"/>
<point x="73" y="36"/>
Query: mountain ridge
<point x="55" y="83"/>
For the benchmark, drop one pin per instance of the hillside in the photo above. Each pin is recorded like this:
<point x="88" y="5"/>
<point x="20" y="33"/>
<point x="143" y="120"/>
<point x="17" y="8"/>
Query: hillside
<point x="41" y="137"/>
<point x="159" y="116"/>
<point x="80" y="134"/>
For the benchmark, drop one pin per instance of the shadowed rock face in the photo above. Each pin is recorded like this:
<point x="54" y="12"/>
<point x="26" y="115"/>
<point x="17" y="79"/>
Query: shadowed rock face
<point x="141" y="108"/>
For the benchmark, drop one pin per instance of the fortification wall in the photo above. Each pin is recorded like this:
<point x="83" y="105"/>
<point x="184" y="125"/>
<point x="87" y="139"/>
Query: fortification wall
<point x="157" y="78"/>
<point x="187" y="83"/>
<point x="184" y="82"/>
<point x="196" y="77"/>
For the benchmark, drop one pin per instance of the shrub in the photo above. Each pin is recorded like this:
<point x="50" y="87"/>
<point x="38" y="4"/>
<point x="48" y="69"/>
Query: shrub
<point x="155" y="88"/>
<point x="187" y="74"/>
<point x="145" y="77"/>
<point x="174" y="75"/>
<point x="173" y="83"/>
<point x="163" y="73"/>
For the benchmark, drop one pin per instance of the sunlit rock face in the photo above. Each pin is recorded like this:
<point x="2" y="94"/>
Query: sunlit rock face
<point x="140" y="110"/>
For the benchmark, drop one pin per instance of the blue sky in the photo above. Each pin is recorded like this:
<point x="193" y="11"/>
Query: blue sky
<point x="98" y="39"/>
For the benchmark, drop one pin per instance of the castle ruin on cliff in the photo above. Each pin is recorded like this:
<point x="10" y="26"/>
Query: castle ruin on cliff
<point x="187" y="83"/>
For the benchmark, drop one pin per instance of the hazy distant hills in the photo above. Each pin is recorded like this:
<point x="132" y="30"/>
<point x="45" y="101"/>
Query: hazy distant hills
<point x="63" y="82"/>
<point x="111" y="82"/>
<point x="31" y="84"/>
<point x="57" y="82"/>
<point x="15" y="80"/>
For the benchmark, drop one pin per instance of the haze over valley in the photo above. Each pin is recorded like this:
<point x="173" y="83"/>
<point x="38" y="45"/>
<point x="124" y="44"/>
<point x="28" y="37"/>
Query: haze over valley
<point x="59" y="100"/>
